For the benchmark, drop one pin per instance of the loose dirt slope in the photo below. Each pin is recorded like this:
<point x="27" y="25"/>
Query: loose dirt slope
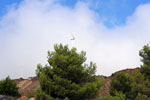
<point x="27" y="86"/>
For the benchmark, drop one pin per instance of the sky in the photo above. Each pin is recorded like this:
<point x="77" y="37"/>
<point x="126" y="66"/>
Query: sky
<point x="110" y="31"/>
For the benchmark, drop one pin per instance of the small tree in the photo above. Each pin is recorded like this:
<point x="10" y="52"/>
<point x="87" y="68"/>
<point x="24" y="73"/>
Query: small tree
<point x="67" y="77"/>
<point x="8" y="87"/>
<point x="119" y="96"/>
<point x="145" y="54"/>
<point x="142" y="97"/>
<point x="122" y="84"/>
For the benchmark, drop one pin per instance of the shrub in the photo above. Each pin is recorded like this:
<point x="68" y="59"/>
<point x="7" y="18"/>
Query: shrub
<point x="8" y="87"/>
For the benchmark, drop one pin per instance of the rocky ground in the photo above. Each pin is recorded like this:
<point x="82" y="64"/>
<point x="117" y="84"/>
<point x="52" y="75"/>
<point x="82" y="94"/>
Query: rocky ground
<point x="2" y="97"/>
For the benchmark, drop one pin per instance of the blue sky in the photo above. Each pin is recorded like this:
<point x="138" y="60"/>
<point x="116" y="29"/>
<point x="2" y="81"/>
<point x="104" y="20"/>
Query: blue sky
<point x="4" y="5"/>
<point x="110" y="31"/>
<point x="111" y="12"/>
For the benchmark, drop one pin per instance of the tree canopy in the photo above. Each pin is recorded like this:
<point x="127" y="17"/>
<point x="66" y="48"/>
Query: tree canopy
<point x="8" y="87"/>
<point x="122" y="84"/>
<point x="145" y="58"/>
<point x="67" y="76"/>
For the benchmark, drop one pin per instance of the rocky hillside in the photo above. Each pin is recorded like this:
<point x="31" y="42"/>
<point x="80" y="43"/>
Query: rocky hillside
<point x="28" y="86"/>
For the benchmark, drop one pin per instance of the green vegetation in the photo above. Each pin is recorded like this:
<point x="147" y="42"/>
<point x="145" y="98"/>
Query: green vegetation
<point x="145" y="54"/>
<point x="122" y="84"/>
<point x="30" y="95"/>
<point x="119" y="96"/>
<point x="67" y="77"/>
<point x="135" y="86"/>
<point x="8" y="87"/>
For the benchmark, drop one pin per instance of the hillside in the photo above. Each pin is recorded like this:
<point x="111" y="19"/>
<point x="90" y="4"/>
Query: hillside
<point x="27" y="86"/>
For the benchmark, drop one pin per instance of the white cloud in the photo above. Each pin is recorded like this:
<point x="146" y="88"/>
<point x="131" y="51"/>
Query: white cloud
<point x="30" y="30"/>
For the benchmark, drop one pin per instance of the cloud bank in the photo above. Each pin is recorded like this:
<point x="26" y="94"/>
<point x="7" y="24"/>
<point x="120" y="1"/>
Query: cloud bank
<point x="30" y="29"/>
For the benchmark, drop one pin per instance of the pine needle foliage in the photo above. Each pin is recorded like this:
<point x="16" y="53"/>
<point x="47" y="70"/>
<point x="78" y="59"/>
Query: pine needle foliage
<point x="67" y="76"/>
<point x="8" y="87"/>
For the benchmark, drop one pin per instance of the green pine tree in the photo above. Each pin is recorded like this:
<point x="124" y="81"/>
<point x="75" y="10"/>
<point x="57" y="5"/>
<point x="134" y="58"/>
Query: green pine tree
<point x="145" y="55"/>
<point x="8" y="87"/>
<point x="67" y="76"/>
<point x="122" y="84"/>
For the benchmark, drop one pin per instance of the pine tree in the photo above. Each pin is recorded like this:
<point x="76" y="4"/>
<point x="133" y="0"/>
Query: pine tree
<point x="145" y="54"/>
<point x="122" y="84"/>
<point x="8" y="87"/>
<point x="67" y="77"/>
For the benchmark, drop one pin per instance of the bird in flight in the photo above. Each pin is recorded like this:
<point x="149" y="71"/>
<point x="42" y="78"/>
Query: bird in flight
<point x="73" y="38"/>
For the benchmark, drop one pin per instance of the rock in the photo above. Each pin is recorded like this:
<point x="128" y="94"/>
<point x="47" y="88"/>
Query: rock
<point x="32" y="98"/>
<point x="2" y="97"/>
<point x="23" y="98"/>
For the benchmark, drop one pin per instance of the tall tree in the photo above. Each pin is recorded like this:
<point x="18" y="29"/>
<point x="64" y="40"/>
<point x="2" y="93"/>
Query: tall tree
<point x="67" y="76"/>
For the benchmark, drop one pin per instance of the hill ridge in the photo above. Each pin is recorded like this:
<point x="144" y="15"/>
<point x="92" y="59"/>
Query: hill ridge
<point x="29" y="85"/>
